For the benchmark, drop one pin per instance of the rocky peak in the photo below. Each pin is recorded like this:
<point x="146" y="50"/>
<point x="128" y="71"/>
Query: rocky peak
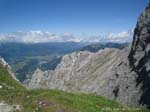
<point x="139" y="57"/>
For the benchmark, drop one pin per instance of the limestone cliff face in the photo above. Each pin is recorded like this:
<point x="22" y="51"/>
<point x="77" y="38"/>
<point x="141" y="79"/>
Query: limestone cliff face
<point x="123" y="75"/>
<point x="105" y="73"/>
<point x="72" y="70"/>
<point x="140" y="55"/>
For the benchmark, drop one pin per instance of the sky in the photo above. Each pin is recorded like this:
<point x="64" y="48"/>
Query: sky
<point x="84" y="17"/>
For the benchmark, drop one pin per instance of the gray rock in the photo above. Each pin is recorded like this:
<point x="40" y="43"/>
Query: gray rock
<point x="139" y="56"/>
<point x="5" y="107"/>
<point x="105" y="73"/>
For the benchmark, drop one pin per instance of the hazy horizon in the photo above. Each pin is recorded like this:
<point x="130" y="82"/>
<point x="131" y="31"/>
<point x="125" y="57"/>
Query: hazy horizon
<point x="39" y="21"/>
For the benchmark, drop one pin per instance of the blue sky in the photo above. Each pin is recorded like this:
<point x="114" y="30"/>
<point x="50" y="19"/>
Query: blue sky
<point x="76" y="16"/>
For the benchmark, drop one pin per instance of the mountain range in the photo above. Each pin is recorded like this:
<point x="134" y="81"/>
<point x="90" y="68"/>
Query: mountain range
<point x="25" y="58"/>
<point x="122" y="75"/>
<point x="86" y="78"/>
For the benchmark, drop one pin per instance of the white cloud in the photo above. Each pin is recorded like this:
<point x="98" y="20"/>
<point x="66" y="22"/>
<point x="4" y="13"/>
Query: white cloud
<point x="120" y="37"/>
<point x="30" y="37"/>
<point x="125" y="36"/>
<point x="41" y="37"/>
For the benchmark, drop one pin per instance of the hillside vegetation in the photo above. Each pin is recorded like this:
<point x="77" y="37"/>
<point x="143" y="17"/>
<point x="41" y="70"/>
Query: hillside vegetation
<point x="41" y="100"/>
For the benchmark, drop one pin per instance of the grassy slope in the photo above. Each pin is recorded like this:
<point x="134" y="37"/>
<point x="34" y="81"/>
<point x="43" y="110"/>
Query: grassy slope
<point x="54" y="101"/>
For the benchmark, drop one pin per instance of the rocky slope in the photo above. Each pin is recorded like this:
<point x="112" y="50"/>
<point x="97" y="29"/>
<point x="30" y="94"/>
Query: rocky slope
<point x="105" y="73"/>
<point x="117" y="74"/>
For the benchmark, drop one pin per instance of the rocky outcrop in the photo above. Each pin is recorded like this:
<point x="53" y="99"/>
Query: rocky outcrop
<point x="122" y="75"/>
<point x="5" y="107"/>
<point x="105" y="73"/>
<point x="73" y="67"/>
<point x="6" y="65"/>
<point x="139" y="56"/>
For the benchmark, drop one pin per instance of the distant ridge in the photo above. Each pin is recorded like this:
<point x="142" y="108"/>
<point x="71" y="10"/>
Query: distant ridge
<point x="97" y="46"/>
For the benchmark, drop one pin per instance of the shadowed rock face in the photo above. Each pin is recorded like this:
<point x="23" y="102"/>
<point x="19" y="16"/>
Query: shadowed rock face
<point x="139" y="56"/>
